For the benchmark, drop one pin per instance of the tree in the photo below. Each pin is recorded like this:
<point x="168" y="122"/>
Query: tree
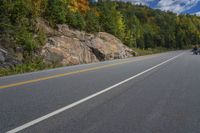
<point x="92" y="21"/>
<point x="110" y="19"/>
<point x="38" y="7"/>
<point x="56" y="11"/>
<point x="81" y="6"/>
<point x="75" y="20"/>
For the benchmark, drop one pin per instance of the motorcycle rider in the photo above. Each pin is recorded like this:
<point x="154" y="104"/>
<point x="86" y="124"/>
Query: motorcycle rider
<point x="195" y="50"/>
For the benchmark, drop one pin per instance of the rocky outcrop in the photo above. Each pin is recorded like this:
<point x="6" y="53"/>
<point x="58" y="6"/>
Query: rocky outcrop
<point x="7" y="60"/>
<point x="108" y="47"/>
<point x="67" y="51"/>
<point x="66" y="46"/>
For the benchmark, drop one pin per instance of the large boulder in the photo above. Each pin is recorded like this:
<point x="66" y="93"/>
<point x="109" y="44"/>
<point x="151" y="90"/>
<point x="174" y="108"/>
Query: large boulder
<point x="64" y="50"/>
<point x="108" y="47"/>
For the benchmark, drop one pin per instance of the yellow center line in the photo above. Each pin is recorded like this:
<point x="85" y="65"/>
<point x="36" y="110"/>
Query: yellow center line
<point x="61" y="75"/>
<point x="69" y="73"/>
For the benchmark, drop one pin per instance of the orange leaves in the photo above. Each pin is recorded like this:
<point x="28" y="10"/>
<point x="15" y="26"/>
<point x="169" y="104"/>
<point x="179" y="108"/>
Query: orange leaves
<point x="80" y="5"/>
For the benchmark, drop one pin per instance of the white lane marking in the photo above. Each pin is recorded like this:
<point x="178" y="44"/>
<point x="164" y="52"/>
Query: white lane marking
<point x="31" y="123"/>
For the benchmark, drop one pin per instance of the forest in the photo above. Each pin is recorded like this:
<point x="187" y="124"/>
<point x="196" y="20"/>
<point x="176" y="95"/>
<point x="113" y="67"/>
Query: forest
<point x="136" y="26"/>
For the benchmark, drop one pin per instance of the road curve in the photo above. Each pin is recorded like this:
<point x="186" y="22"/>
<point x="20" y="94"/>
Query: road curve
<point x="156" y="93"/>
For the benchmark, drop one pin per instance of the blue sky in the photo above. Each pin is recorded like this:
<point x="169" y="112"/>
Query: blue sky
<point x="177" y="6"/>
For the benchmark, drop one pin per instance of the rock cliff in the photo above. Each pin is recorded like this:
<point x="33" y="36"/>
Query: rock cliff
<point x="66" y="46"/>
<point x="69" y="47"/>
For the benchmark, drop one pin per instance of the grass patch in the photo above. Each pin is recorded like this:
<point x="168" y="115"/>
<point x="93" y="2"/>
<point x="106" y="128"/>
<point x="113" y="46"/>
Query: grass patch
<point x="150" y="51"/>
<point x="30" y="66"/>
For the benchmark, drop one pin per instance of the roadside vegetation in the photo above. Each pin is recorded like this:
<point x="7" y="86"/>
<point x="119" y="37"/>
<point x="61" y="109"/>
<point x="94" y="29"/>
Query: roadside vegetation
<point x="145" y="30"/>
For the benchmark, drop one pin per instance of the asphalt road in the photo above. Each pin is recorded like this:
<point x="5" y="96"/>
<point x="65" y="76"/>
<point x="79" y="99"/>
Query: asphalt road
<point x="150" y="94"/>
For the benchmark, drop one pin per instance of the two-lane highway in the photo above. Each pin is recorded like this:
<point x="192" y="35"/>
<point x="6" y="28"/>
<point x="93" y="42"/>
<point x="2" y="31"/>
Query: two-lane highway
<point x="149" y="94"/>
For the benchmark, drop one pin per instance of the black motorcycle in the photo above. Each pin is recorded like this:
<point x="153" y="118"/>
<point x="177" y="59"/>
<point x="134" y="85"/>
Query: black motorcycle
<point x="196" y="51"/>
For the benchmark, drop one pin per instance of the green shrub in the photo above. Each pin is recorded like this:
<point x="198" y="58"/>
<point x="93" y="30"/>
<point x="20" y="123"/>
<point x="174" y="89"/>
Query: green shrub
<point x="92" y="22"/>
<point x="30" y="64"/>
<point x="41" y="37"/>
<point x="76" y="20"/>
<point x="25" y="38"/>
<point x="56" y="11"/>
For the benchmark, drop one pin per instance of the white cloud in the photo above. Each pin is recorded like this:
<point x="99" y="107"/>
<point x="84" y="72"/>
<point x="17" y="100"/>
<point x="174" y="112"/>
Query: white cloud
<point x="197" y="13"/>
<point x="138" y="2"/>
<point x="177" y="6"/>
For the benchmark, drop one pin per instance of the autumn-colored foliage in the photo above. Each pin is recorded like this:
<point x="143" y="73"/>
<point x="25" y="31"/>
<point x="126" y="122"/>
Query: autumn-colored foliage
<point x="80" y="5"/>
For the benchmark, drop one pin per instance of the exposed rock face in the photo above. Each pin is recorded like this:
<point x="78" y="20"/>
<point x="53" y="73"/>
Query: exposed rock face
<point x="108" y="47"/>
<point x="69" y="47"/>
<point x="7" y="60"/>
<point x="2" y="55"/>
<point x="65" y="50"/>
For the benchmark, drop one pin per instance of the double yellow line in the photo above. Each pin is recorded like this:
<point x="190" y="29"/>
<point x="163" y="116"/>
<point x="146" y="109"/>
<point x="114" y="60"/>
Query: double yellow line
<point x="61" y="75"/>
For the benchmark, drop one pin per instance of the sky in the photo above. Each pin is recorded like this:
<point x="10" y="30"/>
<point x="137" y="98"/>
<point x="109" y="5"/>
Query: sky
<point x="177" y="6"/>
